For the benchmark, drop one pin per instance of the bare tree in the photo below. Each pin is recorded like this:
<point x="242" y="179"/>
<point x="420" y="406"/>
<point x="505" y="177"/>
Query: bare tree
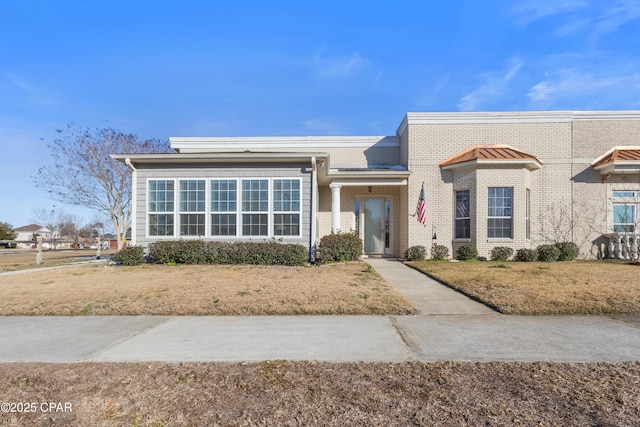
<point x="52" y="219"/>
<point x="84" y="174"/>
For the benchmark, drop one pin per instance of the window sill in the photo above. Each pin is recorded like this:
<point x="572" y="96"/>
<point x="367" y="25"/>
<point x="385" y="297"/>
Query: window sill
<point x="500" y="240"/>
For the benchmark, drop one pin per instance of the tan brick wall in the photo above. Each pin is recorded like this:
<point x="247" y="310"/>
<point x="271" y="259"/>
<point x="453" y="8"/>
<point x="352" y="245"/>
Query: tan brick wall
<point x="430" y="144"/>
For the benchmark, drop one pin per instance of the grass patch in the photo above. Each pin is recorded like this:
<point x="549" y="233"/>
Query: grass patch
<point x="201" y="290"/>
<point x="320" y="393"/>
<point x="574" y="287"/>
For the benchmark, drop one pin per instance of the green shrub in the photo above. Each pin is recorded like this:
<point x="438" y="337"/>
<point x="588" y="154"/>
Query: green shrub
<point x="548" y="253"/>
<point x="568" y="251"/>
<point x="339" y="247"/>
<point x="439" y="252"/>
<point x="132" y="255"/>
<point x="501" y="253"/>
<point x="526" y="255"/>
<point x="201" y="252"/>
<point x="416" y="253"/>
<point x="466" y="253"/>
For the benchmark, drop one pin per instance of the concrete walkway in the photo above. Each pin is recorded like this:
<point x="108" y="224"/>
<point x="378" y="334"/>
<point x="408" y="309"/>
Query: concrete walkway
<point x="448" y="327"/>
<point x="426" y="294"/>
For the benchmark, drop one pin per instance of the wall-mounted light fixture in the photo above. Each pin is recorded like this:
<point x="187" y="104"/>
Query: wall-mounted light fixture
<point x="369" y="188"/>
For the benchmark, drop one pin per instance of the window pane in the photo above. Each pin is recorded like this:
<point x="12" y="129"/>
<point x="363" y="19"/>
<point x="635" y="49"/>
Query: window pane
<point x="623" y="194"/>
<point x="286" y="195"/>
<point x="223" y="224"/>
<point x="160" y="197"/>
<point x="462" y="204"/>
<point x="255" y="195"/>
<point x="624" y="218"/>
<point x="161" y="225"/>
<point x="286" y="225"/>
<point x="192" y="224"/>
<point x="223" y="195"/>
<point x="499" y="228"/>
<point x="255" y="225"/>
<point x="192" y="196"/>
<point x="463" y="229"/>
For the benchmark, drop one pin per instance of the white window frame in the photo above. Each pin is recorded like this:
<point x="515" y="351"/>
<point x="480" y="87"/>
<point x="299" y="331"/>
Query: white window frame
<point x="627" y="199"/>
<point x="180" y="212"/>
<point x="456" y="218"/>
<point x="236" y="213"/>
<point x="503" y="217"/>
<point x="148" y="212"/>
<point x="244" y="212"/>
<point x="270" y="211"/>
<point x="275" y="212"/>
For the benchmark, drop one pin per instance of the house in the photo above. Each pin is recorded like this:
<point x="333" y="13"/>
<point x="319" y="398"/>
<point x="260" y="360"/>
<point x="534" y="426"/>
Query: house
<point x="516" y="179"/>
<point x="25" y="235"/>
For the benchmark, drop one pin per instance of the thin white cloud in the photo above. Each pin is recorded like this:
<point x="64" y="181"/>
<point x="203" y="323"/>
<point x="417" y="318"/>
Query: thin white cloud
<point x="615" y="16"/>
<point x="494" y="85"/>
<point x="528" y="11"/>
<point x="339" y="66"/>
<point x="577" y="85"/>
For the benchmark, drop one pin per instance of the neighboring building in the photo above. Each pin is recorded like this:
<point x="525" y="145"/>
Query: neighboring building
<point x="516" y="179"/>
<point x="26" y="235"/>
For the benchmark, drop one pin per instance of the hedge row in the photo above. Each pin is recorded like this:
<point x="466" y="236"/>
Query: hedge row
<point x="207" y="252"/>
<point x="561" y="251"/>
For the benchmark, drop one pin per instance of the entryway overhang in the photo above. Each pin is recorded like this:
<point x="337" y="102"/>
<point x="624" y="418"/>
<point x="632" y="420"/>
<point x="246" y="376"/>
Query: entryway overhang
<point x="618" y="160"/>
<point x="359" y="177"/>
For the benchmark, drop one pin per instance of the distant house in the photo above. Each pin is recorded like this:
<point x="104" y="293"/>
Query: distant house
<point x="110" y="241"/>
<point x="516" y="179"/>
<point x="26" y="237"/>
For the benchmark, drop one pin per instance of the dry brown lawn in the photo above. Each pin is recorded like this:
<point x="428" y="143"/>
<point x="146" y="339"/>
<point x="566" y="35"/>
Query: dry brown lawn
<point x="97" y="289"/>
<point x="594" y="287"/>
<point x="20" y="259"/>
<point x="324" y="394"/>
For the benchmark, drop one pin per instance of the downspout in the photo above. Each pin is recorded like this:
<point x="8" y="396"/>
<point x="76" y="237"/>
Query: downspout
<point x="134" y="199"/>
<point x="314" y="211"/>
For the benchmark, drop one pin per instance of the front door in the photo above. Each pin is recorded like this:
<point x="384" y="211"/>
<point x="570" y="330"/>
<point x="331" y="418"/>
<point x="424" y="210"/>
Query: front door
<point x="375" y="223"/>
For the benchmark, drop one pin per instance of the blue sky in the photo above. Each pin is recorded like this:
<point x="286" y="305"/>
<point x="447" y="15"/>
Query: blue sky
<point x="229" y="68"/>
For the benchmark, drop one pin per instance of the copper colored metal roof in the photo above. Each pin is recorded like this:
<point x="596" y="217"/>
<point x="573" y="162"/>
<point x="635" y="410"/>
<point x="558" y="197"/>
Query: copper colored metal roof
<point x="490" y="153"/>
<point x="618" y="154"/>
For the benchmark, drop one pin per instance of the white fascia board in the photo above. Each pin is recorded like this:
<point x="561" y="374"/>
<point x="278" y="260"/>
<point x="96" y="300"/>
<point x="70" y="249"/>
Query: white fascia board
<point x="364" y="182"/>
<point x="607" y="115"/>
<point x="286" y="142"/>
<point x="619" y="167"/>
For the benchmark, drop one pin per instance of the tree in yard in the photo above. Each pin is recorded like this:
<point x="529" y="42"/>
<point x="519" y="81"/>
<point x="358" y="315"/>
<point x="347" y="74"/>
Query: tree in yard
<point x="84" y="174"/>
<point x="6" y="231"/>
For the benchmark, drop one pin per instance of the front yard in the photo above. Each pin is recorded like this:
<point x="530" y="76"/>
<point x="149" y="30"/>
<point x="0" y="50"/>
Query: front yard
<point x="98" y="289"/>
<point x="576" y="287"/>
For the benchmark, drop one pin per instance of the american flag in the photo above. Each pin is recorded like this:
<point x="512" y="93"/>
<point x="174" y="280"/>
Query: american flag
<point x="421" y="209"/>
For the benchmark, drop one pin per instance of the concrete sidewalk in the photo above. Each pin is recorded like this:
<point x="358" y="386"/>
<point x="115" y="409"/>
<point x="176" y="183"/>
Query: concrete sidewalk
<point x="448" y="327"/>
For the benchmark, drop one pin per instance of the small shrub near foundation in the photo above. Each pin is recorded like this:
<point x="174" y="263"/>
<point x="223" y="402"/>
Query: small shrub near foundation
<point x="548" y="253"/>
<point x="439" y="252"/>
<point x="466" y="253"/>
<point x="568" y="251"/>
<point x="339" y="247"/>
<point x="501" y="253"/>
<point x="526" y="255"/>
<point x="416" y="253"/>
<point x="132" y="255"/>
